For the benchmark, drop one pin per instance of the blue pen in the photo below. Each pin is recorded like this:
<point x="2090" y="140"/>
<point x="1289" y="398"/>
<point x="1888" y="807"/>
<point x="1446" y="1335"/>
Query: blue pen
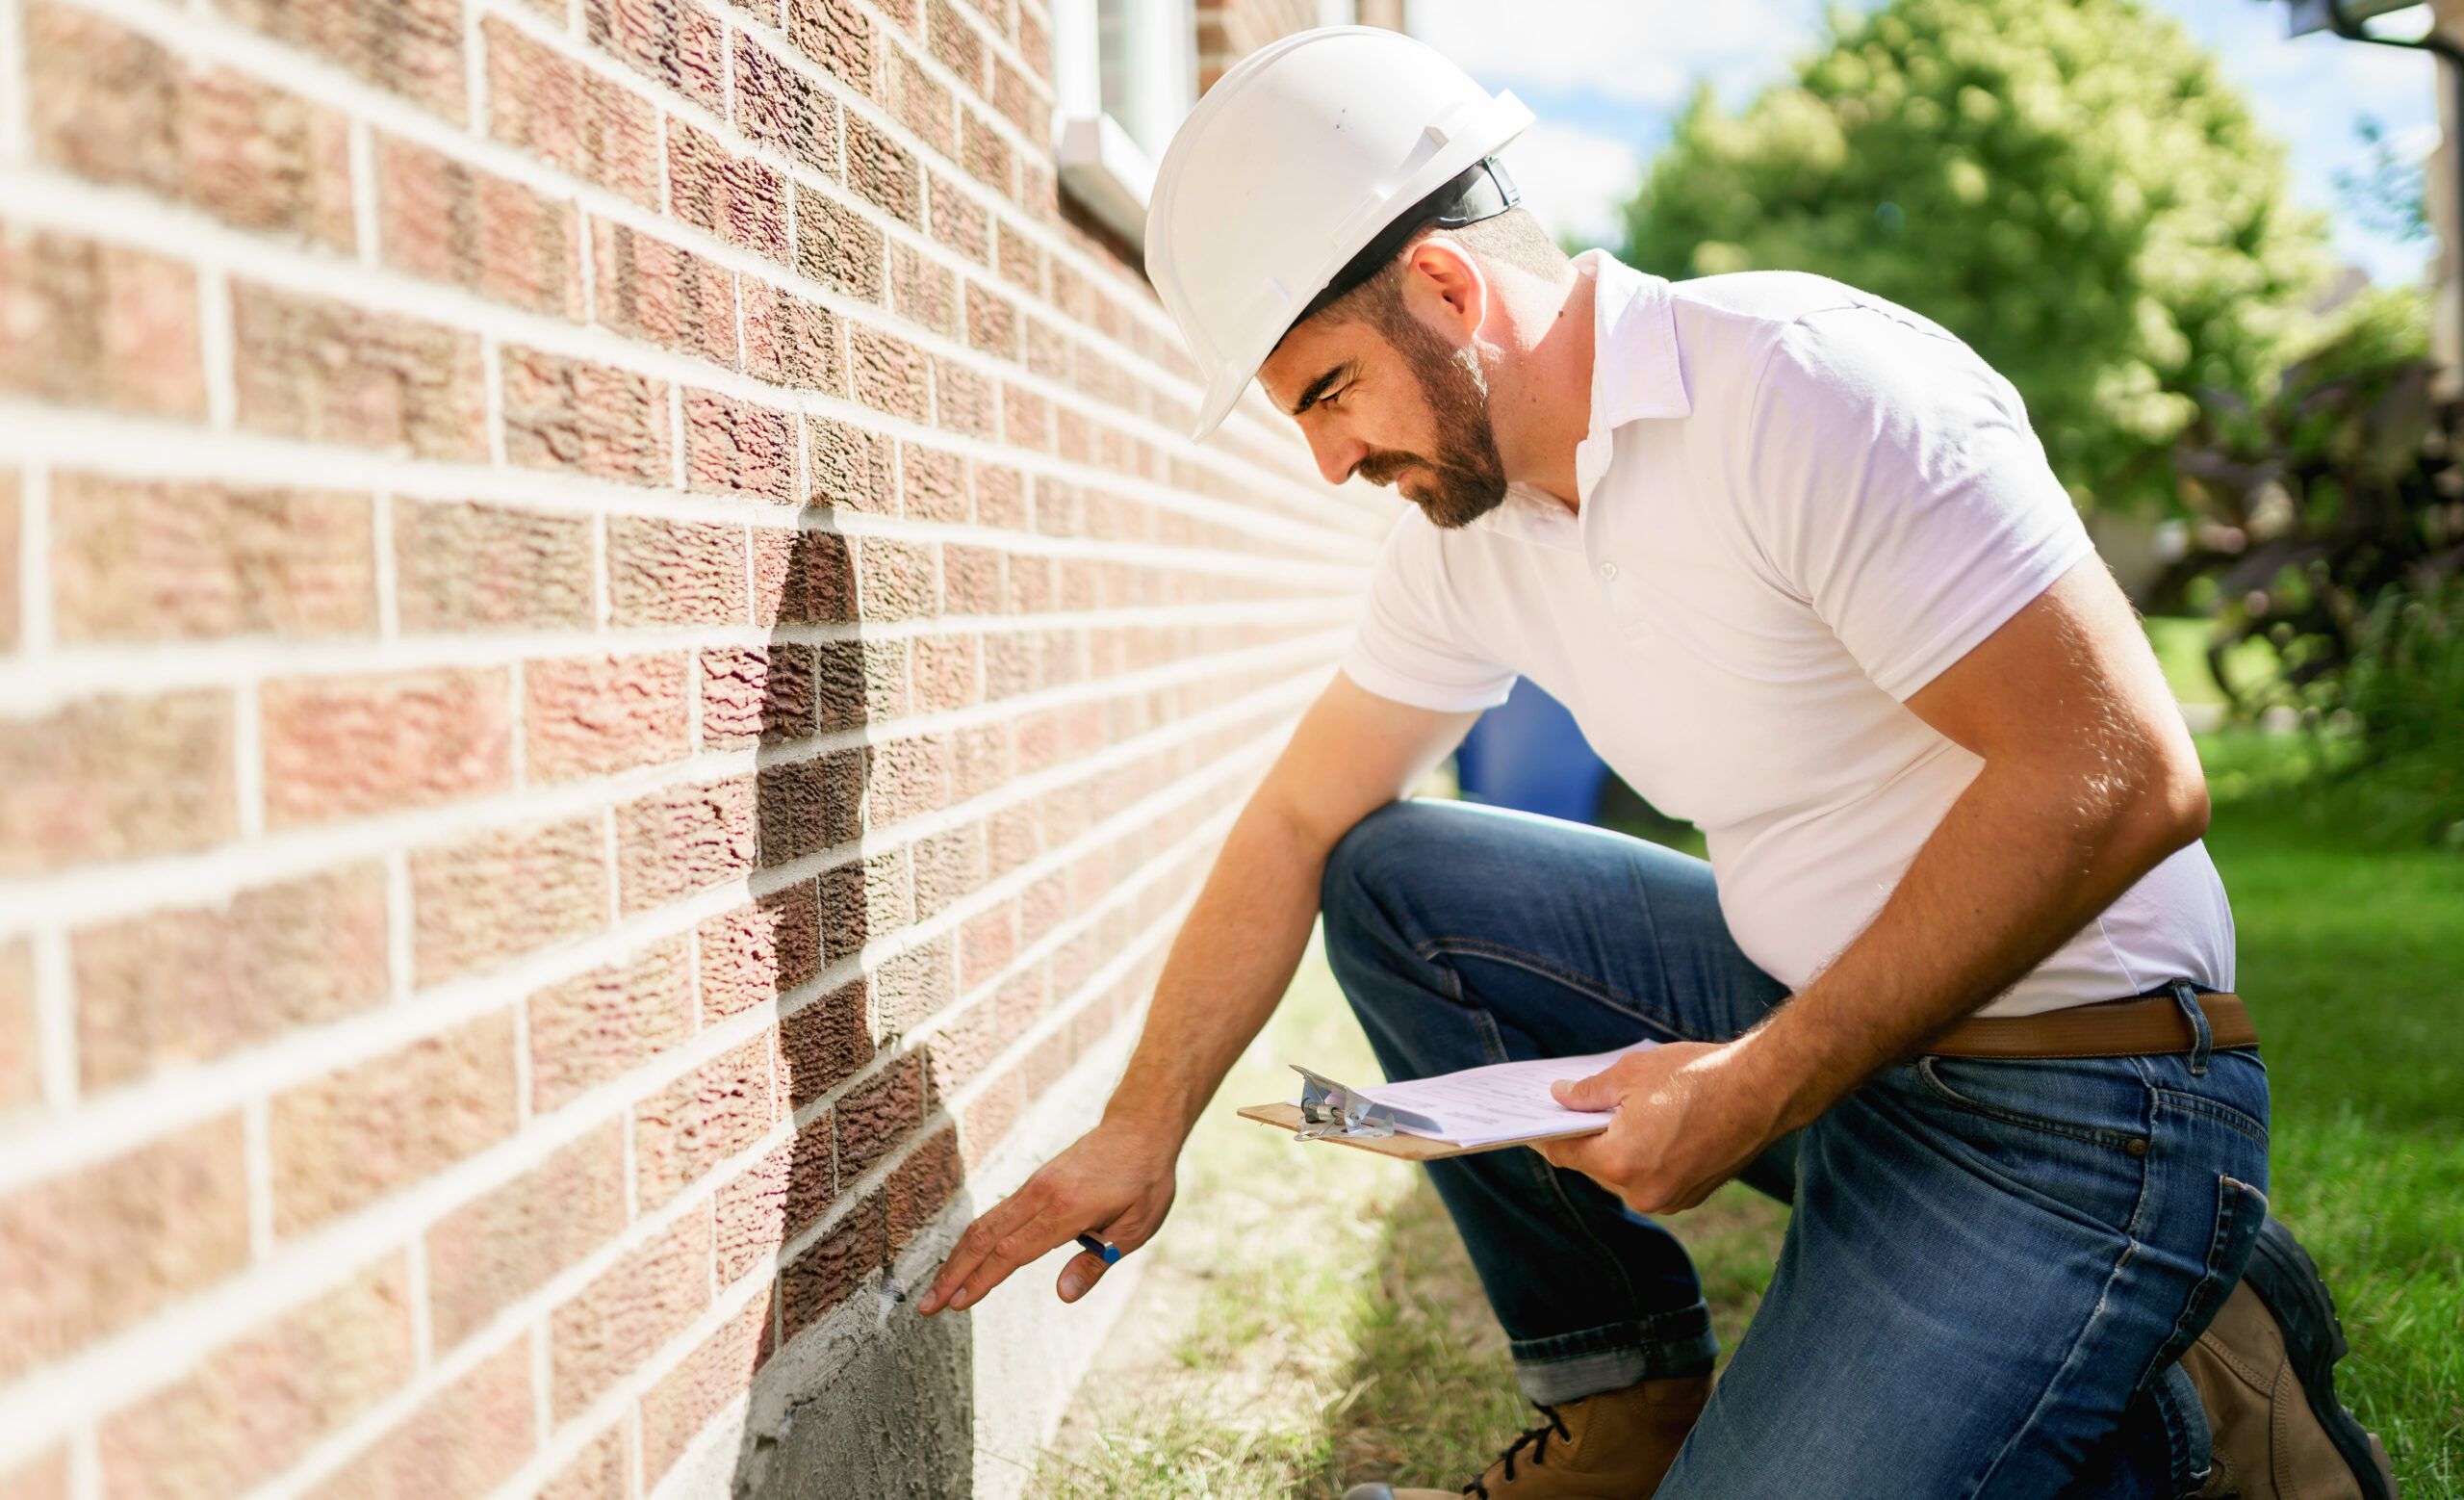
<point x="1110" y="1252"/>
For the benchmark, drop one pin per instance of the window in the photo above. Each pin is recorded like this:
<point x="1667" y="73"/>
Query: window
<point x="1125" y="72"/>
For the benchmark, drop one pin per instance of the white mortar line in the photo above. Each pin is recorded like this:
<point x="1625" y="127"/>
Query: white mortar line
<point x="256" y="1145"/>
<point x="248" y="760"/>
<point x="85" y="1462"/>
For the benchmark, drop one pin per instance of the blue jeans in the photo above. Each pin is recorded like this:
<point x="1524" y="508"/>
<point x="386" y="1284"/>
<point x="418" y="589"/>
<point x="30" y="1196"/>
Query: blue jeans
<point x="1990" y="1266"/>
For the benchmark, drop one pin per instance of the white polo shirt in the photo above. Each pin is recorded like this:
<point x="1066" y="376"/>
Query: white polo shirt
<point x="1800" y="503"/>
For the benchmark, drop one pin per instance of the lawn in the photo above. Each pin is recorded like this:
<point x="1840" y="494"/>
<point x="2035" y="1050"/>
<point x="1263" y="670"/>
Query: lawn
<point x="1309" y="1319"/>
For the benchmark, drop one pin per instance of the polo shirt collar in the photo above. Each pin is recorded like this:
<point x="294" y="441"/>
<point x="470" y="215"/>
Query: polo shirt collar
<point x="1634" y="374"/>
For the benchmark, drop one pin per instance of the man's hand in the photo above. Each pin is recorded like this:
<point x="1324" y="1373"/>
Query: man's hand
<point x="1113" y="1182"/>
<point x="1690" y="1115"/>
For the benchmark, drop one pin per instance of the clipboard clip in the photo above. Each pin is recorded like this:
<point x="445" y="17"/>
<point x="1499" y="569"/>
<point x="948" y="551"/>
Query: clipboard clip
<point x="1332" y="1109"/>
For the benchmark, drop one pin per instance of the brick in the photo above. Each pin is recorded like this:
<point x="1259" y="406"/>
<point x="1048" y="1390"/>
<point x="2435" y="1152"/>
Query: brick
<point x="802" y="577"/>
<point x="948" y="672"/>
<point x="115" y="107"/>
<point x="876" y="1115"/>
<point x="987" y="944"/>
<point x="934" y="485"/>
<point x="462" y="566"/>
<point x="888" y="374"/>
<point x="594" y="419"/>
<point x="191" y="984"/>
<point x="352" y="746"/>
<point x="612" y="1326"/>
<point x="1020" y="259"/>
<point x="920" y="102"/>
<point x="409" y="48"/>
<point x="603" y="1024"/>
<point x="380" y="1126"/>
<point x="825" y="1042"/>
<point x="897" y="581"/>
<point x="924" y="291"/>
<point x="774" y="1200"/>
<point x="663" y="572"/>
<point x="736" y="447"/>
<point x="599" y="715"/>
<point x="836" y="247"/>
<point x="970" y="579"/>
<point x="956" y="220"/>
<point x="20" y="1031"/>
<point x="155" y="559"/>
<point x="324" y="371"/>
<point x="498" y="1247"/>
<point x="859" y="902"/>
<point x="782" y="109"/>
<point x="91" y="1252"/>
<point x="601" y="1471"/>
<point x="963" y="399"/>
<point x="645" y="288"/>
<point x="449" y="221"/>
<point x="547" y="105"/>
<point x="756" y="695"/>
<point x="252" y="1408"/>
<point x="837" y="35"/>
<point x="1026" y="419"/>
<point x="992" y="322"/>
<point x="93" y="325"/>
<point x="792" y="341"/>
<point x="680" y="839"/>
<point x="984" y="152"/>
<point x="117" y="777"/>
<point x="43" y="1477"/>
<point x="810" y="804"/>
<point x="481" y="902"/>
<point x="466" y="1441"/>
<point x="673" y="42"/>
<point x="851" y="467"/>
<point x="758" y="952"/>
<point x="1017" y="99"/>
<point x="948" y="865"/>
<point x="718" y="1370"/>
<point x="921" y="1187"/>
<point x="883" y="171"/>
<point x="833" y="1267"/>
<point x="699" y="1121"/>
<point x="717" y="192"/>
<point x="913" y="986"/>
<point x="956" y="41"/>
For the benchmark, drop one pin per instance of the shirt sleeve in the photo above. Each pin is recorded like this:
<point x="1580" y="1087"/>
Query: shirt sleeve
<point x="1410" y="645"/>
<point x="1894" y="483"/>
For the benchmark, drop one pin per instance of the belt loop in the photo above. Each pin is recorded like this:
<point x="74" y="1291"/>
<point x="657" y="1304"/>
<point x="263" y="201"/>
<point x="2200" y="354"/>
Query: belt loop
<point x="2202" y="1040"/>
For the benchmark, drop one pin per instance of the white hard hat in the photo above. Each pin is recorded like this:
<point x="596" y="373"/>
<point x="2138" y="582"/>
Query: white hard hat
<point x="1301" y="158"/>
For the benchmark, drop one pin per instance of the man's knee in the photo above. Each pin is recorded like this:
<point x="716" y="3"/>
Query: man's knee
<point x="1364" y="870"/>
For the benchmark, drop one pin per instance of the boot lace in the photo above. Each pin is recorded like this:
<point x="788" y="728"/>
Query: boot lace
<point x="1538" y="1439"/>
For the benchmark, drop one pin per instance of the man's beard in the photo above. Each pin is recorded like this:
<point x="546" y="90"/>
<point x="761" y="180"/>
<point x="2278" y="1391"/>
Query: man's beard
<point x="1466" y="478"/>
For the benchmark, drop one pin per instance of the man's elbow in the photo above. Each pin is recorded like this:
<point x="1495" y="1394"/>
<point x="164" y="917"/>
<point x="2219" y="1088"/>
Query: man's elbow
<point x="2169" y="812"/>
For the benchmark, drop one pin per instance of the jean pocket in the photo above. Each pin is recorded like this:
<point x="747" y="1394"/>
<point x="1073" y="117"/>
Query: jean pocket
<point x="2240" y="1211"/>
<point x="2087" y="1099"/>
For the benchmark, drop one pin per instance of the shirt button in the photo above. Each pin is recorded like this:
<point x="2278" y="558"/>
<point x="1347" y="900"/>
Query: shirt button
<point x="1608" y="569"/>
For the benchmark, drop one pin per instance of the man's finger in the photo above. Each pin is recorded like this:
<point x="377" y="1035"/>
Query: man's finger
<point x="1597" y="1092"/>
<point x="1024" y="1243"/>
<point x="976" y="1242"/>
<point x="1084" y="1270"/>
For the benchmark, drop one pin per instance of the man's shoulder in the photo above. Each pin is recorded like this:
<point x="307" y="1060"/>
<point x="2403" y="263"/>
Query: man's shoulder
<point x="1750" y="311"/>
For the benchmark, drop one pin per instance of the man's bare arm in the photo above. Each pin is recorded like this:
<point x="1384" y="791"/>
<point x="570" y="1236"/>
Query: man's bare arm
<point x="1234" y="956"/>
<point x="2089" y="781"/>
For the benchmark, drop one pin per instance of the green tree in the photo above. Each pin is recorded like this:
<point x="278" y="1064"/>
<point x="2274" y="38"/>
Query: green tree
<point x="2069" y="185"/>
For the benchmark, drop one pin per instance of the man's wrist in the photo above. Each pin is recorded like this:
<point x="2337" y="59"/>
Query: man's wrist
<point x="1796" y="1071"/>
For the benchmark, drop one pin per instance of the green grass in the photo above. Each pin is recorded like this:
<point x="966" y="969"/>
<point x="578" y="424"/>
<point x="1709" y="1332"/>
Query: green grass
<point x="1310" y="1321"/>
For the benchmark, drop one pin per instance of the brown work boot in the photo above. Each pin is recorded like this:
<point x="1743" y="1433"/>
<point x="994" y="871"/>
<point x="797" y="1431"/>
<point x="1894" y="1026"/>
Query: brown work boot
<point x="2265" y="1372"/>
<point x="1613" y="1446"/>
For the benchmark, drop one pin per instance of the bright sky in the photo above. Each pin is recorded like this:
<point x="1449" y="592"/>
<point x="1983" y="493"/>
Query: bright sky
<point x="1607" y="77"/>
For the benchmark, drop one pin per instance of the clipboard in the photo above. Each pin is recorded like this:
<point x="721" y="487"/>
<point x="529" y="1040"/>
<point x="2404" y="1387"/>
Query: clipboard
<point x="1331" y="1111"/>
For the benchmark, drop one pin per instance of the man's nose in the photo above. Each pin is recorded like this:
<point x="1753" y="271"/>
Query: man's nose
<point x="1336" y="456"/>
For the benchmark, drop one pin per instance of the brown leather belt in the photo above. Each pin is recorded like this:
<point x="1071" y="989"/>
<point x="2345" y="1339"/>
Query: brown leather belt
<point x="2110" y="1028"/>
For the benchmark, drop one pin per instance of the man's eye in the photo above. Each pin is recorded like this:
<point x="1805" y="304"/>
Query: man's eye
<point x="1333" y="397"/>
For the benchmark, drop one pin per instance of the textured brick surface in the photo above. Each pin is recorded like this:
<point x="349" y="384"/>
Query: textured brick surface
<point x="832" y="1266"/>
<point x="593" y="715"/>
<point x="838" y="36"/>
<point x="778" y="1199"/>
<point x="191" y="984"/>
<point x="326" y="372"/>
<point x="780" y="108"/>
<point x="465" y="1440"/>
<point x="568" y="116"/>
<point x="705" y="1117"/>
<point x="98" y="326"/>
<point x="675" y="42"/>
<point x="682" y="839"/>
<point x="147" y="559"/>
<point x="20" y="1034"/>
<point x="590" y="1029"/>
<point x="792" y="341"/>
<point x="649" y="288"/>
<point x="447" y="220"/>
<point x="88" y="1253"/>
<point x="411" y="47"/>
<point x="346" y="1140"/>
<point x="734" y="197"/>
<point x="479" y="902"/>
<point x="606" y="1330"/>
<point x="114" y="777"/>
<point x="761" y="950"/>
<point x="735" y="448"/>
<point x="836" y="247"/>
<point x="462" y="566"/>
<point x="757" y="694"/>
<point x="256" y="1404"/>
<point x="340" y="747"/>
<point x="718" y="1370"/>
<point x="593" y="419"/>
<point x="663" y="572"/>
<point x="601" y="1471"/>
<point x="508" y="1242"/>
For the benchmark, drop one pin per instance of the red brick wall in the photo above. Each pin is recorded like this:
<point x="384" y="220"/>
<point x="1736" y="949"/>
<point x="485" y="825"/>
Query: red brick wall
<point x="611" y="659"/>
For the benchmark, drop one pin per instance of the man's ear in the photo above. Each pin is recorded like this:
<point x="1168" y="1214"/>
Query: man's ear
<point x="1445" y="288"/>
